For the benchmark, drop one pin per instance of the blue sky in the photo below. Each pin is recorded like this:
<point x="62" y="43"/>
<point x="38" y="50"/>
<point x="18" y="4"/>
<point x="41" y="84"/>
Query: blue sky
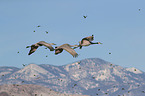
<point x="118" y="24"/>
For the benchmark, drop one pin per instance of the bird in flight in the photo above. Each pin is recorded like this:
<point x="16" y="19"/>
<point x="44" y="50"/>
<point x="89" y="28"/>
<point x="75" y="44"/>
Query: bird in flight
<point x="38" y="26"/>
<point x="87" y="41"/>
<point x="23" y="64"/>
<point x="85" y="16"/>
<point x="67" y="48"/>
<point x="41" y="43"/>
<point x="46" y="32"/>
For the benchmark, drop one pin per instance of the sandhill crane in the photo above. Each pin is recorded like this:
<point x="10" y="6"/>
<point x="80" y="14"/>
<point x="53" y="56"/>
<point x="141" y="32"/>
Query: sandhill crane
<point x="41" y="43"/>
<point x="67" y="48"/>
<point x="87" y="41"/>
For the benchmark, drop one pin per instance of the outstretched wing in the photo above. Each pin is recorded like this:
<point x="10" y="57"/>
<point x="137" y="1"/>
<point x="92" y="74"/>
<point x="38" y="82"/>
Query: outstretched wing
<point x="46" y="45"/>
<point x="69" y="49"/>
<point x="90" y="38"/>
<point x="33" y="48"/>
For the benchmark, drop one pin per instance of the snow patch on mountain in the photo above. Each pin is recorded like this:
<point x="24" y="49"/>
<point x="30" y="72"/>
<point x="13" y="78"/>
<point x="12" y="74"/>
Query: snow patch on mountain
<point x="32" y="71"/>
<point x="134" y="70"/>
<point x="104" y="75"/>
<point x="72" y="66"/>
<point x="33" y="68"/>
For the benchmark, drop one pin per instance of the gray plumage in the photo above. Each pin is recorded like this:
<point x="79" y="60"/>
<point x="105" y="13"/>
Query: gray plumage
<point x="67" y="48"/>
<point x="41" y="43"/>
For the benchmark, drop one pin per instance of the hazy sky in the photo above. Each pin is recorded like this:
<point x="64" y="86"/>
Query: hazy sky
<point x="118" y="24"/>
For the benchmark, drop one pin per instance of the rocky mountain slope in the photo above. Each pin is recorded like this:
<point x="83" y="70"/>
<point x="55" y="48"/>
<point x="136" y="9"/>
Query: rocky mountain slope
<point x="91" y="76"/>
<point x="29" y="90"/>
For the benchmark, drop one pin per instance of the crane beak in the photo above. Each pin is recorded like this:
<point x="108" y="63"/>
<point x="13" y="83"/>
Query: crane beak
<point x="28" y="46"/>
<point x="101" y="43"/>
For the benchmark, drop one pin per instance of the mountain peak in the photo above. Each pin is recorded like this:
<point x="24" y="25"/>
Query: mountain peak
<point x="89" y="76"/>
<point x="33" y="68"/>
<point x="31" y="71"/>
<point x="95" y="60"/>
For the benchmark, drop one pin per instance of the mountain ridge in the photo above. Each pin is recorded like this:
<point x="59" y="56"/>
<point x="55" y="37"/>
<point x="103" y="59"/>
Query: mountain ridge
<point x="85" y="77"/>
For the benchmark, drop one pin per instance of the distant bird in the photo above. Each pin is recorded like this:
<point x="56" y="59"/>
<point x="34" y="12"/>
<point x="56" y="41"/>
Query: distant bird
<point x="18" y="52"/>
<point x="34" y="31"/>
<point x="109" y="53"/>
<point x="85" y="16"/>
<point x="38" y="26"/>
<point x="87" y="41"/>
<point x="41" y="43"/>
<point x="139" y="9"/>
<point x="46" y="32"/>
<point x="75" y="84"/>
<point x="23" y="64"/>
<point x="67" y="48"/>
<point x="79" y="62"/>
<point x="93" y="77"/>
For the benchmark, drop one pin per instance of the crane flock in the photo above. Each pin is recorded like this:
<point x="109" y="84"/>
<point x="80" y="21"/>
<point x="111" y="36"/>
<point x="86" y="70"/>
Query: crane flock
<point x="67" y="47"/>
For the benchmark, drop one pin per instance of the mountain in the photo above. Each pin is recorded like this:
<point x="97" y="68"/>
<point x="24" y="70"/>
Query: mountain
<point x="92" y="76"/>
